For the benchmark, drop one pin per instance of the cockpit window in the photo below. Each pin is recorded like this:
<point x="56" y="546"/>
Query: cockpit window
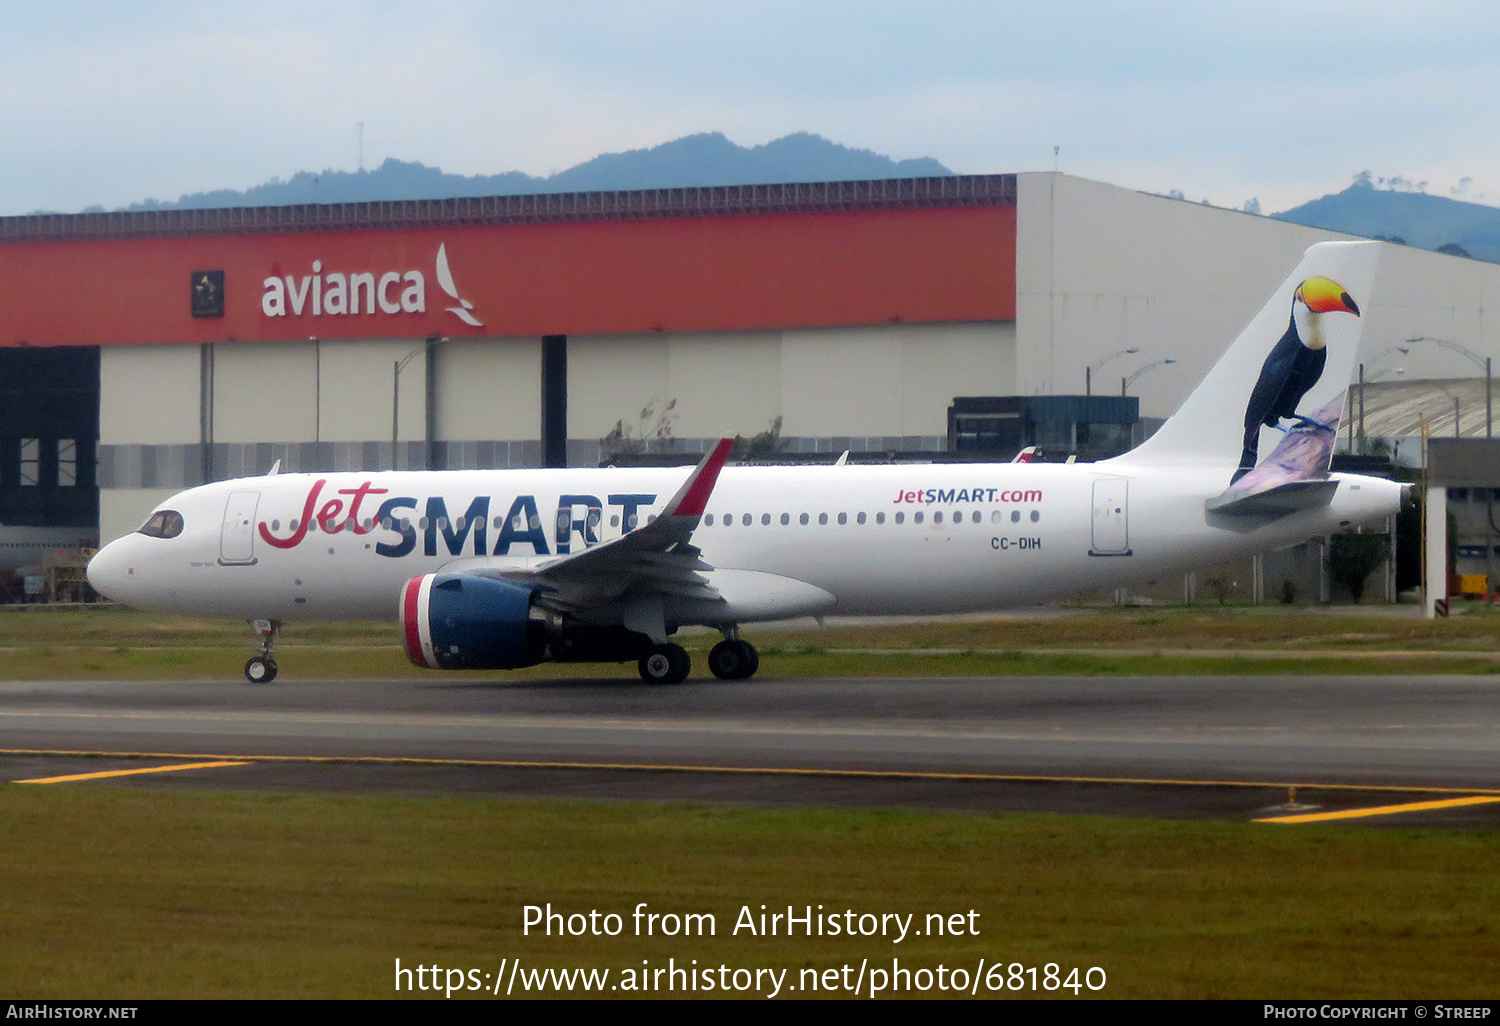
<point x="164" y="523"/>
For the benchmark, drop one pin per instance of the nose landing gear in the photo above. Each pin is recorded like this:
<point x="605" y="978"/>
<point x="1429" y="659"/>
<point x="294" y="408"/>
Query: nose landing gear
<point x="261" y="669"/>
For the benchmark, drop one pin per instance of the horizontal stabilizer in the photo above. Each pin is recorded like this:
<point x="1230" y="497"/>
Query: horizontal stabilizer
<point x="1283" y="500"/>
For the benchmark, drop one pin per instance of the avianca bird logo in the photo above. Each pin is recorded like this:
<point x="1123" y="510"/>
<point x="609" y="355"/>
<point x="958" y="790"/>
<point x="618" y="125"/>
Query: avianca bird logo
<point x="464" y="310"/>
<point x="1293" y="367"/>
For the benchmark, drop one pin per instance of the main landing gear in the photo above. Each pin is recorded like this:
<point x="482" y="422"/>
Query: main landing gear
<point x="665" y="664"/>
<point x="730" y="659"/>
<point x="733" y="659"/>
<point x="261" y="669"/>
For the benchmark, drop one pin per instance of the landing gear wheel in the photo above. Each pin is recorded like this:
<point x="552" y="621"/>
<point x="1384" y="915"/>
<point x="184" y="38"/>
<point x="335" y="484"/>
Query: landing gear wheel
<point x="733" y="660"/>
<point x="665" y="664"/>
<point x="260" y="670"/>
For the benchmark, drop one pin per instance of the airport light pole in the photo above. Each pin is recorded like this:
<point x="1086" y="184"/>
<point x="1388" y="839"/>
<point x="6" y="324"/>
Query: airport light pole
<point x="1478" y="361"/>
<point x="427" y="345"/>
<point x="1126" y="382"/>
<point x="1088" y="372"/>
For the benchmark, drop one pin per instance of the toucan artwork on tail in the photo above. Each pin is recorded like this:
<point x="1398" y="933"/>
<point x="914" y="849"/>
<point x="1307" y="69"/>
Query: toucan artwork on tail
<point x="1293" y="367"/>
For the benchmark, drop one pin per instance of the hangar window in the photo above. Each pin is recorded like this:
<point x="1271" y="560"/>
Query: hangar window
<point x="67" y="462"/>
<point x="31" y="460"/>
<point x="164" y="523"/>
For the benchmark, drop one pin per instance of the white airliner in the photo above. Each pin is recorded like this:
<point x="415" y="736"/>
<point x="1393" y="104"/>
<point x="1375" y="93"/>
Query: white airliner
<point x="499" y="569"/>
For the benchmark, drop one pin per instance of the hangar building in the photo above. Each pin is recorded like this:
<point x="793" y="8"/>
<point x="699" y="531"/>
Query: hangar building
<point x="525" y="331"/>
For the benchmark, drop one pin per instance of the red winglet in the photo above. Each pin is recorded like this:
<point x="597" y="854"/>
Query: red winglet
<point x="692" y="499"/>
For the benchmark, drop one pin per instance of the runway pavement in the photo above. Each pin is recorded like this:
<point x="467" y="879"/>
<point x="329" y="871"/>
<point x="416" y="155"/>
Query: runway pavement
<point x="1234" y="745"/>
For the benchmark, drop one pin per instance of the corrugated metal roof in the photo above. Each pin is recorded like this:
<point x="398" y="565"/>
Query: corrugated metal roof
<point x="1397" y="409"/>
<point x="633" y="205"/>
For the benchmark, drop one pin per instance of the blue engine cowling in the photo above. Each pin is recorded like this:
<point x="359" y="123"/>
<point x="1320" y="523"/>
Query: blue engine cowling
<point x="466" y="622"/>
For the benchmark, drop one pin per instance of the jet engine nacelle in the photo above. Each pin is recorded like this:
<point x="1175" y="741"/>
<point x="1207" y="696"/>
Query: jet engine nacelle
<point x="468" y="622"/>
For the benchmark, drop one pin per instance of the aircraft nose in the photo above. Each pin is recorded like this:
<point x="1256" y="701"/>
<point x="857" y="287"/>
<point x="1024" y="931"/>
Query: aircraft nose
<point x="109" y="572"/>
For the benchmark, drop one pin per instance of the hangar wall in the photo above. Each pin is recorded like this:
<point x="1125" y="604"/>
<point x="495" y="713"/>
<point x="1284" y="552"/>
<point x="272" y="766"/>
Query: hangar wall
<point x="1100" y="269"/>
<point x="1096" y="269"/>
<point x="327" y="404"/>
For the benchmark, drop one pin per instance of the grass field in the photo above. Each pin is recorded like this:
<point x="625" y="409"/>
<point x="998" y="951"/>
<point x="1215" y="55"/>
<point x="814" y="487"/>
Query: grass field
<point x="138" y="892"/>
<point x="129" y="893"/>
<point x="111" y="643"/>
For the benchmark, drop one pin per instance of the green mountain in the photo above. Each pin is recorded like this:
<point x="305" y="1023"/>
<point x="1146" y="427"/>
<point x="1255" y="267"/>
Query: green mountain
<point x="1415" y="218"/>
<point x="695" y="160"/>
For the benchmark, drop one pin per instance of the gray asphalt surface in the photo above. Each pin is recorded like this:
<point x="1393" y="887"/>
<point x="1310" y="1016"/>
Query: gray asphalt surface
<point x="1362" y="732"/>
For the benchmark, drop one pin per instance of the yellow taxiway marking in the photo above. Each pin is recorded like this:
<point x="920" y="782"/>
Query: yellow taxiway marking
<point x="129" y="772"/>
<point x="807" y="771"/>
<point x="1379" y="810"/>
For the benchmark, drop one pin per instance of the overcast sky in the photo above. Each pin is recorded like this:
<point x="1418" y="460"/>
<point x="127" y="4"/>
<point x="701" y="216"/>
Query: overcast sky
<point x="112" y="103"/>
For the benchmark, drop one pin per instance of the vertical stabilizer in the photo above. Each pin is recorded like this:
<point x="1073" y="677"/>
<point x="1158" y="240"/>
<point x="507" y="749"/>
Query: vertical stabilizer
<point x="1269" y="410"/>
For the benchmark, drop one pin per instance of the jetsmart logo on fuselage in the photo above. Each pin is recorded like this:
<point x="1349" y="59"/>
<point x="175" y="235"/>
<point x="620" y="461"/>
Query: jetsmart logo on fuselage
<point x="398" y="519"/>
<point x="943" y="495"/>
<point x="342" y="293"/>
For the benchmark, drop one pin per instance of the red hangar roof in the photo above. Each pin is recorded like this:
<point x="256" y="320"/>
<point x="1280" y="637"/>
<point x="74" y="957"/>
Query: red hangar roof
<point x="706" y="259"/>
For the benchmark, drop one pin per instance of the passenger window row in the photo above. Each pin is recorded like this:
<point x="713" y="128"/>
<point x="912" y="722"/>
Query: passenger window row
<point x="710" y="520"/>
<point x="804" y="519"/>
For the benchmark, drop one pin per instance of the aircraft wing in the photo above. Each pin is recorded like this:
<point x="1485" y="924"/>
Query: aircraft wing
<point x="656" y="558"/>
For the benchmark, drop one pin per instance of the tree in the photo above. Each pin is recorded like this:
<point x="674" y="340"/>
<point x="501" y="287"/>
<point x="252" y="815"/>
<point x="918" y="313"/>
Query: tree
<point x="1353" y="557"/>
<point x="765" y="443"/>
<point x="636" y="438"/>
